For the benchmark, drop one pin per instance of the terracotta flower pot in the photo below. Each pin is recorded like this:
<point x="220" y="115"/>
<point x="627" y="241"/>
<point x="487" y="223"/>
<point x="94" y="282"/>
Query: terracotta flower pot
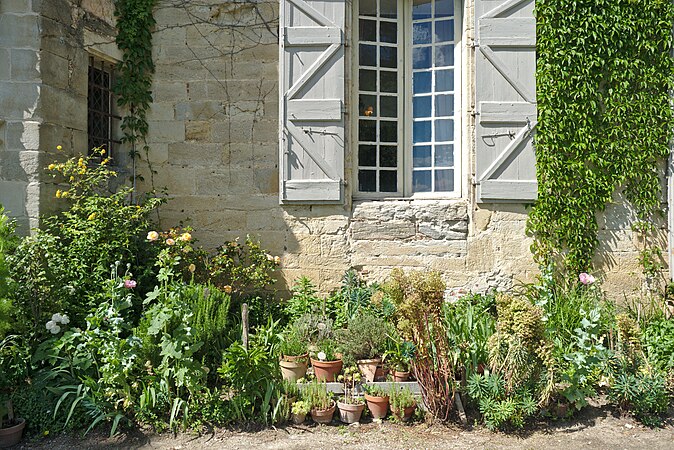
<point x="400" y="376"/>
<point x="323" y="415"/>
<point x="293" y="370"/>
<point x="406" y="413"/>
<point x="381" y="373"/>
<point x="326" y="370"/>
<point x="368" y="367"/>
<point x="298" y="419"/>
<point x="12" y="435"/>
<point x="378" y="406"/>
<point x="350" y="413"/>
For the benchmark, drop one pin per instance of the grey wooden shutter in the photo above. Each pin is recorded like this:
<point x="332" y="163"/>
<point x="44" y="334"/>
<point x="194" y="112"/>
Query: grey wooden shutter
<point x="506" y="100"/>
<point x="311" y="71"/>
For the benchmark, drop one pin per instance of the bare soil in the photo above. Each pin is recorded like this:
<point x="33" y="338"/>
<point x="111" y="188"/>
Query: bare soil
<point x="596" y="428"/>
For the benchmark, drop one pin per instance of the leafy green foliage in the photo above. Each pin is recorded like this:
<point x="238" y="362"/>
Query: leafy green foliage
<point x="364" y="338"/>
<point x="500" y="408"/>
<point x="8" y="241"/>
<point x="644" y="394"/>
<point x="604" y="78"/>
<point x="658" y="339"/>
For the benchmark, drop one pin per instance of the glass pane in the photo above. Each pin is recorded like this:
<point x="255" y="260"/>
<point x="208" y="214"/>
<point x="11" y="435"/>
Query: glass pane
<point x="422" y="82"/>
<point x="389" y="9"/>
<point x="388" y="81"/>
<point x="421" y="156"/>
<point x="421" y="180"/>
<point x="367" y="80"/>
<point x="444" y="180"/>
<point x="421" y="9"/>
<point x="367" y="8"/>
<point x="388" y="181"/>
<point x="421" y="57"/>
<point x="388" y="32"/>
<point x="444" y="8"/>
<point x="367" y="155"/>
<point x="444" y="80"/>
<point x="421" y="33"/>
<point x="367" y="180"/>
<point x="388" y="106"/>
<point x="444" y="105"/>
<point x="367" y="105"/>
<point x="444" y="155"/>
<point x="421" y="107"/>
<point x="367" y="30"/>
<point x="388" y="131"/>
<point x="444" y="55"/>
<point x="367" y="55"/>
<point x="388" y="57"/>
<point x="421" y="131"/>
<point x="388" y="156"/>
<point x="367" y="130"/>
<point x="444" y="30"/>
<point x="444" y="130"/>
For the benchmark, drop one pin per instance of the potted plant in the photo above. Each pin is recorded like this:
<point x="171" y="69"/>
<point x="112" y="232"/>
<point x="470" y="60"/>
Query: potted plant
<point x="320" y="401"/>
<point x="328" y="363"/>
<point x="377" y="401"/>
<point x="399" y="357"/>
<point x="363" y="342"/>
<point x="294" y="355"/>
<point x="351" y="407"/>
<point x="11" y="428"/>
<point x="299" y="411"/>
<point x="402" y="403"/>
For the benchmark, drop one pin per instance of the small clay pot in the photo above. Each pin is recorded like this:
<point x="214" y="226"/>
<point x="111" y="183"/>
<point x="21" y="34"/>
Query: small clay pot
<point x="323" y="415"/>
<point x="406" y="413"/>
<point x="293" y="370"/>
<point x="399" y="377"/>
<point x="378" y="406"/>
<point x="350" y="413"/>
<point x="326" y="370"/>
<point x="368" y="368"/>
<point x="12" y="435"/>
<point x="298" y="419"/>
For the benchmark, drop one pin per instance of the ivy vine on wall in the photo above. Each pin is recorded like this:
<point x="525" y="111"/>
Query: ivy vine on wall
<point x="135" y="21"/>
<point x="604" y="78"/>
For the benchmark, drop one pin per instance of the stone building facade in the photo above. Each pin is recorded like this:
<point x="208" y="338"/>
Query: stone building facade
<point x="214" y="144"/>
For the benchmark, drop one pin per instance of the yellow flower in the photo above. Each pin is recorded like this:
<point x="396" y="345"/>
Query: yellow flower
<point x="64" y="194"/>
<point x="185" y="237"/>
<point x="58" y="193"/>
<point x="59" y="148"/>
<point x="51" y="166"/>
<point x="102" y="151"/>
<point x="72" y="178"/>
<point x="227" y="289"/>
<point x="192" y="268"/>
<point x="92" y="216"/>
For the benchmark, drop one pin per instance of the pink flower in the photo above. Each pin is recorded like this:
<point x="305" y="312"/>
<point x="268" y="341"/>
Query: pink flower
<point x="152" y="236"/>
<point x="170" y="241"/>
<point x="130" y="284"/>
<point x="586" y="278"/>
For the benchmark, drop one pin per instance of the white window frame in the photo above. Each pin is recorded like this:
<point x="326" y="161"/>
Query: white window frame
<point x="405" y="115"/>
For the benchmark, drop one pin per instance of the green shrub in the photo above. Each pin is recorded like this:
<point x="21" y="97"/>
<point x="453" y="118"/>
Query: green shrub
<point x="317" y="396"/>
<point x="499" y="407"/>
<point x="658" y="340"/>
<point x="8" y="242"/>
<point x="643" y="393"/>
<point x="364" y="338"/>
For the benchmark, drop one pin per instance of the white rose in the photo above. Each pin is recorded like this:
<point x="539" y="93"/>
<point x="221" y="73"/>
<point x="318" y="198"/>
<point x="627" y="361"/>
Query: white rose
<point x="321" y="356"/>
<point x="65" y="320"/>
<point x="55" y="329"/>
<point x="51" y="324"/>
<point x="56" y="317"/>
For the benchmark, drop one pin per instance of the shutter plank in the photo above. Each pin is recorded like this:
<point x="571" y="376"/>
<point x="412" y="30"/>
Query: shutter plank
<point x="312" y="36"/>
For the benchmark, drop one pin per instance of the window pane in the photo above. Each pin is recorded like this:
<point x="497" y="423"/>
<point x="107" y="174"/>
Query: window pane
<point x="444" y="55"/>
<point x="421" y="107"/>
<point x="367" y="105"/>
<point x="367" y="130"/>
<point x="421" y="33"/>
<point x="388" y="131"/>
<point x="367" y="30"/>
<point x="444" y="105"/>
<point x="444" y="8"/>
<point x="421" y="131"/>
<point x="444" y="130"/>
<point x="367" y="180"/>
<point x="388" y="57"/>
<point x="422" y="82"/>
<point x="388" y="106"/>
<point x="444" y="80"/>
<point x="421" y="156"/>
<point x="421" y="180"/>
<point x="444" y="180"/>
<point x="444" y="30"/>
<point x="389" y="9"/>
<point x="421" y="9"/>
<point x="388" y="181"/>
<point x="388" y="156"/>
<point x="444" y="155"/>
<point x="367" y="80"/>
<point x="388" y="81"/>
<point x="367" y="155"/>
<point x="367" y="55"/>
<point x="367" y="7"/>
<point x="421" y="58"/>
<point x="388" y="32"/>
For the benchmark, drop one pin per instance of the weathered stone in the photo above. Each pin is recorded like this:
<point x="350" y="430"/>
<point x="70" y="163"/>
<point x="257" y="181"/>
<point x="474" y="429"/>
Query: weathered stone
<point x="15" y="6"/>
<point x="199" y="110"/>
<point x="167" y="131"/>
<point x="13" y="197"/>
<point x="196" y="154"/>
<point x="5" y="67"/>
<point x="370" y="231"/>
<point x="19" y="31"/>
<point x="19" y="100"/>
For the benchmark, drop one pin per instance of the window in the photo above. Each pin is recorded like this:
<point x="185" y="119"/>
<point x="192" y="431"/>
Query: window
<point x="407" y="107"/>
<point x="102" y="123"/>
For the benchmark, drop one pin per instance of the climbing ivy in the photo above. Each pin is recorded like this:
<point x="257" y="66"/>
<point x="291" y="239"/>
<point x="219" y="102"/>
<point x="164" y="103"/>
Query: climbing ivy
<point x="135" y="22"/>
<point x="604" y="77"/>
